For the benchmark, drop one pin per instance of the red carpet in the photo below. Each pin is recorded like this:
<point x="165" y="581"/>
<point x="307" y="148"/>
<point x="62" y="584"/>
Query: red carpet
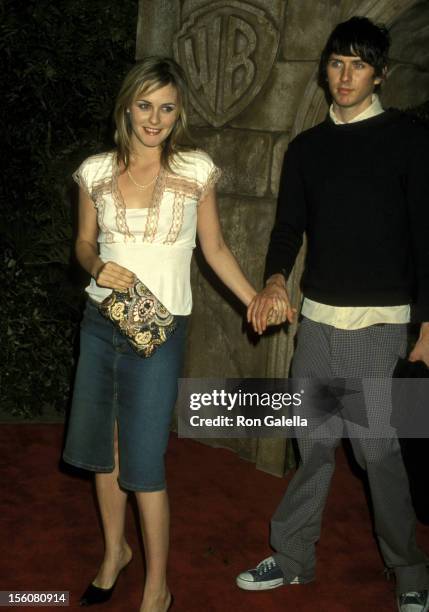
<point x="221" y="508"/>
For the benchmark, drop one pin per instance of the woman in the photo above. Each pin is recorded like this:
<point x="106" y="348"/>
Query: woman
<point x="140" y="207"/>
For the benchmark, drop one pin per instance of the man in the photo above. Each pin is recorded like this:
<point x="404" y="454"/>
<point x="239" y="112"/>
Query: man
<point x="358" y="185"/>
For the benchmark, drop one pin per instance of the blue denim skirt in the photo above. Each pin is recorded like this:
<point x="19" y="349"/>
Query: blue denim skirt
<point x="113" y="384"/>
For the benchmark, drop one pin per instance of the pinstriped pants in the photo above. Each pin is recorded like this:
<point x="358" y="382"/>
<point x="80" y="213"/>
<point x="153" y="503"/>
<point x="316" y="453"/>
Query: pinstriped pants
<point x="326" y="352"/>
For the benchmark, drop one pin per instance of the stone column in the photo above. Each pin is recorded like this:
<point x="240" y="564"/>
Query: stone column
<point x="244" y="94"/>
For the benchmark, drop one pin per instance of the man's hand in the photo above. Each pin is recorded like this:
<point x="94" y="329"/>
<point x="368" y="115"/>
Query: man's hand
<point x="114" y="276"/>
<point x="270" y="306"/>
<point x="421" y="350"/>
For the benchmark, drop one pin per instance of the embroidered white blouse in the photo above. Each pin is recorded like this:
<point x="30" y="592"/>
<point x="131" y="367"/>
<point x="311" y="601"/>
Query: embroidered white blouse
<point x="155" y="243"/>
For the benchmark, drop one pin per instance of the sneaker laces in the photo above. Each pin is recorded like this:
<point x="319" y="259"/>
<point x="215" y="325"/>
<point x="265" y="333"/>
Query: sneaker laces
<point x="265" y="566"/>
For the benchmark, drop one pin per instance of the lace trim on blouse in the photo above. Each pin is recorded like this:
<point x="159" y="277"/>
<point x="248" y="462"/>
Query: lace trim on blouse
<point x="118" y="200"/>
<point x="152" y="218"/>
<point x="98" y="192"/>
<point x="213" y="178"/>
<point x="153" y="211"/>
<point x="182" y="187"/>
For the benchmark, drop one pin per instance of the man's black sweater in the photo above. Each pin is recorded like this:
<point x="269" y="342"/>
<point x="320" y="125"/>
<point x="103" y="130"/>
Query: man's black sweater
<point x="360" y="191"/>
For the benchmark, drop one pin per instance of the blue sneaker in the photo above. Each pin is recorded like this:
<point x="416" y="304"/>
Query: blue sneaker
<point x="266" y="575"/>
<point x="413" y="601"/>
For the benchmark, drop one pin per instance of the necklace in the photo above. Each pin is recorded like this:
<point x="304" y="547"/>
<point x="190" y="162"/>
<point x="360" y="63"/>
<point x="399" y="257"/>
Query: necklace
<point x="141" y="187"/>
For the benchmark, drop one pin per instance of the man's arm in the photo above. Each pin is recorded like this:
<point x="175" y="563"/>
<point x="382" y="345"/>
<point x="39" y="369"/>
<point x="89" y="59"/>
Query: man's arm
<point x="418" y="206"/>
<point x="285" y="242"/>
<point x="291" y="218"/>
<point x="421" y="350"/>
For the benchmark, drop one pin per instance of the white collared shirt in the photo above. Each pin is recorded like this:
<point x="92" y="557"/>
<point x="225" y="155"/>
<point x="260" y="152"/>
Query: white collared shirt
<point x="373" y="110"/>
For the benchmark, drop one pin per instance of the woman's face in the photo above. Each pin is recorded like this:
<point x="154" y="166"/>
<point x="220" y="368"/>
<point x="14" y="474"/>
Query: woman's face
<point x="153" y="115"/>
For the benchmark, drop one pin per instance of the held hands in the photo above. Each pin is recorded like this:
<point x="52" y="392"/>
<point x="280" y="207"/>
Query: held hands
<point x="270" y="306"/>
<point x="114" y="276"/>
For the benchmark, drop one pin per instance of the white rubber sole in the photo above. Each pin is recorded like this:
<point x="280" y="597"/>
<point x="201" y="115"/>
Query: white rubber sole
<point x="248" y="585"/>
<point x="414" y="608"/>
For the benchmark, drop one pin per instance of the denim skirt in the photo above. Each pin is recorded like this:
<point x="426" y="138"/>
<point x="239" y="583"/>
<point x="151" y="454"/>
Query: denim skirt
<point x="114" y="384"/>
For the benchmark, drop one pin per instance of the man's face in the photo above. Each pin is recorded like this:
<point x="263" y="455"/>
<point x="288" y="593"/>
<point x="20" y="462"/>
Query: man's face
<point x="351" y="82"/>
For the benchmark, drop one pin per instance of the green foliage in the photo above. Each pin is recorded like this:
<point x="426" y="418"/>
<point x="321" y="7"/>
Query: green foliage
<point x="63" y="63"/>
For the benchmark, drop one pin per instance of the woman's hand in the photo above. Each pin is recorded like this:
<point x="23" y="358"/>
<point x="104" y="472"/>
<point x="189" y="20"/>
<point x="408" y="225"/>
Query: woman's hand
<point x="270" y="306"/>
<point x="114" y="276"/>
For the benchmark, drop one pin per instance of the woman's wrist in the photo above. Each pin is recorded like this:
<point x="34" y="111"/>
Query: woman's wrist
<point x="96" y="268"/>
<point x="249" y="296"/>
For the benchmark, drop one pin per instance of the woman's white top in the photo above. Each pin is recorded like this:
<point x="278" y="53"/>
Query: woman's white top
<point x="155" y="243"/>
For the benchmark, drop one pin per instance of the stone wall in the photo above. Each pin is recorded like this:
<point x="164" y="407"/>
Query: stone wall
<point x="252" y="71"/>
<point x="407" y="84"/>
<point x="248" y="66"/>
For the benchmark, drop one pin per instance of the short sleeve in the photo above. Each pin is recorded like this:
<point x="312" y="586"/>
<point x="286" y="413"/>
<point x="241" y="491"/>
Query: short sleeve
<point x="94" y="174"/>
<point x="208" y="174"/>
<point x="82" y="177"/>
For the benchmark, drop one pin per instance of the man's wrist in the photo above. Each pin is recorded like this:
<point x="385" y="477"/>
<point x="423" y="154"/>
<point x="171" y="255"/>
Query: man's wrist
<point x="276" y="279"/>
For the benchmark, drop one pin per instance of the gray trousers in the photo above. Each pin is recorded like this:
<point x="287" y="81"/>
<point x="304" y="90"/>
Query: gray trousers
<point x="326" y="352"/>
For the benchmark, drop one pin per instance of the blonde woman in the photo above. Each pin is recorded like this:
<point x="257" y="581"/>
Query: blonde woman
<point x="140" y="209"/>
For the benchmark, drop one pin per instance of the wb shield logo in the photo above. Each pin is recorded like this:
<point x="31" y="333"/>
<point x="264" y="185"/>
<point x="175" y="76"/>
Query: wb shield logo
<point x="227" y="50"/>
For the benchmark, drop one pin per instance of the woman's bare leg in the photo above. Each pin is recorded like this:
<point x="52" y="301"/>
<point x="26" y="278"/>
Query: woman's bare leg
<point x="112" y="501"/>
<point x="155" y="523"/>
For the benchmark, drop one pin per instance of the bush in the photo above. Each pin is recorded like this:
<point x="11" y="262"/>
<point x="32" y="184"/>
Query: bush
<point x="63" y="65"/>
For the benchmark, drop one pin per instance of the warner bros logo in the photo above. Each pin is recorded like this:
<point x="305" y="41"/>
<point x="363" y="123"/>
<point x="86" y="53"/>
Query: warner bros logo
<point x="227" y="50"/>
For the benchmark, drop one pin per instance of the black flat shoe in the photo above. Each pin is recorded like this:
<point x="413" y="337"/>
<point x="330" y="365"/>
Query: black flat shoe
<point x="95" y="595"/>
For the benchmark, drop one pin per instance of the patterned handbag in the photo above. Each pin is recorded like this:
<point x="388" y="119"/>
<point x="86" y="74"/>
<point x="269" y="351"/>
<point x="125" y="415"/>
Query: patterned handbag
<point x="140" y="317"/>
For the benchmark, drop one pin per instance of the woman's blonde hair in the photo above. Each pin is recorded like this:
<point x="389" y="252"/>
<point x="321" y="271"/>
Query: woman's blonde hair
<point x="146" y="76"/>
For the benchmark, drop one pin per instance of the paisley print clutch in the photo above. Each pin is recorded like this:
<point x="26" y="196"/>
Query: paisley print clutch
<point x="140" y="317"/>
